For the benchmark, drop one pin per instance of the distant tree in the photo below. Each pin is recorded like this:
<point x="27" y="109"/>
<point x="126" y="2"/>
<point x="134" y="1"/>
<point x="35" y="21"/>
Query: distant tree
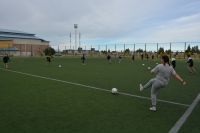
<point x="127" y="51"/>
<point x="104" y="52"/>
<point x="168" y="51"/>
<point x="139" y="50"/>
<point x="80" y="49"/>
<point x="195" y="49"/>
<point x="161" y="51"/>
<point x="49" y="51"/>
<point x="188" y="50"/>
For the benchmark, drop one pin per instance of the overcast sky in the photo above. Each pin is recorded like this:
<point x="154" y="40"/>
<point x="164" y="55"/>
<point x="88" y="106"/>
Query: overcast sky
<point x="104" y="20"/>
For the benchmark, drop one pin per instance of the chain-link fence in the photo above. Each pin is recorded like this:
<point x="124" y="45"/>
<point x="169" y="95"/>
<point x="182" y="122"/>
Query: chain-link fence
<point x="127" y="49"/>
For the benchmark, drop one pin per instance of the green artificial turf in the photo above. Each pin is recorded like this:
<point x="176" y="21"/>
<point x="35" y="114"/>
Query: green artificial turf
<point x="30" y="104"/>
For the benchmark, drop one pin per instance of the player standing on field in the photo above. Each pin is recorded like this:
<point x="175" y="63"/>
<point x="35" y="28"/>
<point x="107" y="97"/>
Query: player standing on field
<point x="5" y="61"/>
<point x="83" y="59"/>
<point x="142" y="56"/>
<point x="120" y="59"/>
<point x="133" y="58"/>
<point x="48" y="59"/>
<point x="190" y="63"/>
<point x="109" y="58"/>
<point x="147" y="56"/>
<point x="152" y="56"/>
<point x="173" y="63"/>
<point x="163" y="73"/>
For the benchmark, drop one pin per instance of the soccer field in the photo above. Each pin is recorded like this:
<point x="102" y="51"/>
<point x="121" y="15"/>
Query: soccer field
<point x="37" y="97"/>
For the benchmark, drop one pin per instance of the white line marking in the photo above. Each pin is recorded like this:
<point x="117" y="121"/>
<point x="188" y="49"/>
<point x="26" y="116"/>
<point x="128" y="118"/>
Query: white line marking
<point x="96" y="88"/>
<point x="184" y="117"/>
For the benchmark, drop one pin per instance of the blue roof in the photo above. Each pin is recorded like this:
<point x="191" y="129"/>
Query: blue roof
<point x="10" y="34"/>
<point x="19" y="36"/>
<point x="14" y="32"/>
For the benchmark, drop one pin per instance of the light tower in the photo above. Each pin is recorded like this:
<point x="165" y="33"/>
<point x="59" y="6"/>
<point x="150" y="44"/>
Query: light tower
<point x="79" y="39"/>
<point x="75" y="29"/>
<point x="70" y="40"/>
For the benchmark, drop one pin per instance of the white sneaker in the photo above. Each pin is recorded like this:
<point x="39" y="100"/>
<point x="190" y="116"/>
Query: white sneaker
<point x="141" y="87"/>
<point x="153" y="108"/>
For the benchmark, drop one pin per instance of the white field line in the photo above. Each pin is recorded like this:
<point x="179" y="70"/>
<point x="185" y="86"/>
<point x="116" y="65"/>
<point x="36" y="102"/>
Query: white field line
<point x="92" y="87"/>
<point x="184" y="117"/>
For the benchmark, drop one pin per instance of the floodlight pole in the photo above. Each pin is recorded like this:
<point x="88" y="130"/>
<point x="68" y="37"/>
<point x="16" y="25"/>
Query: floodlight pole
<point x="185" y="49"/>
<point x="75" y="29"/>
<point x="99" y="49"/>
<point x="170" y="47"/>
<point x="65" y="50"/>
<point x="79" y="39"/>
<point x="70" y="37"/>
<point x="157" y="50"/>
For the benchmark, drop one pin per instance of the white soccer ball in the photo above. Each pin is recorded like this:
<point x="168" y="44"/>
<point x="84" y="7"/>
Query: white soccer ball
<point x="149" y="68"/>
<point x="114" y="91"/>
<point x="59" y="66"/>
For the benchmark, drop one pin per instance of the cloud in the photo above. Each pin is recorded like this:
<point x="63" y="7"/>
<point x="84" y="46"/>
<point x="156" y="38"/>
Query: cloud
<point x="102" y="20"/>
<point x="185" y="28"/>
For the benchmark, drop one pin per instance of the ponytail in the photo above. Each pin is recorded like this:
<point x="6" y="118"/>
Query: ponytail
<point x="165" y="59"/>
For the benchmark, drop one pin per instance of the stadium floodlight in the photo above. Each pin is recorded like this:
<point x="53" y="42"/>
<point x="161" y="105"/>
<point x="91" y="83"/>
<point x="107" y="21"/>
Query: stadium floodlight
<point x="75" y="26"/>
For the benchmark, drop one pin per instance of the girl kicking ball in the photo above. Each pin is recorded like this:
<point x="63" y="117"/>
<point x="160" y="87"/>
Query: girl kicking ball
<point x="163" y="73"/>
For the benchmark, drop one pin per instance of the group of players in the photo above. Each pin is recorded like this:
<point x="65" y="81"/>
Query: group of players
<point x="190" y="61"/>
<point x="83" y="59"/>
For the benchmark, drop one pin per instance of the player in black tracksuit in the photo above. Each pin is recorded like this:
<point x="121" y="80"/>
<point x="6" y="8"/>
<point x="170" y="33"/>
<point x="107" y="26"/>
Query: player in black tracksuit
<point x="133" y="57"/>
<point x="152" y="57"/>
<point x="147" y="56"/>
<point x="142" y="56"/>
<point x="120" y="59"/>
<point x="109" y="58"/>
<point x="5" y="61"/>
<point x="190" y="63"/>
<point x="83" y="59"/>
<point x="48" y="59"/>
<point x="173" y="63"/>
